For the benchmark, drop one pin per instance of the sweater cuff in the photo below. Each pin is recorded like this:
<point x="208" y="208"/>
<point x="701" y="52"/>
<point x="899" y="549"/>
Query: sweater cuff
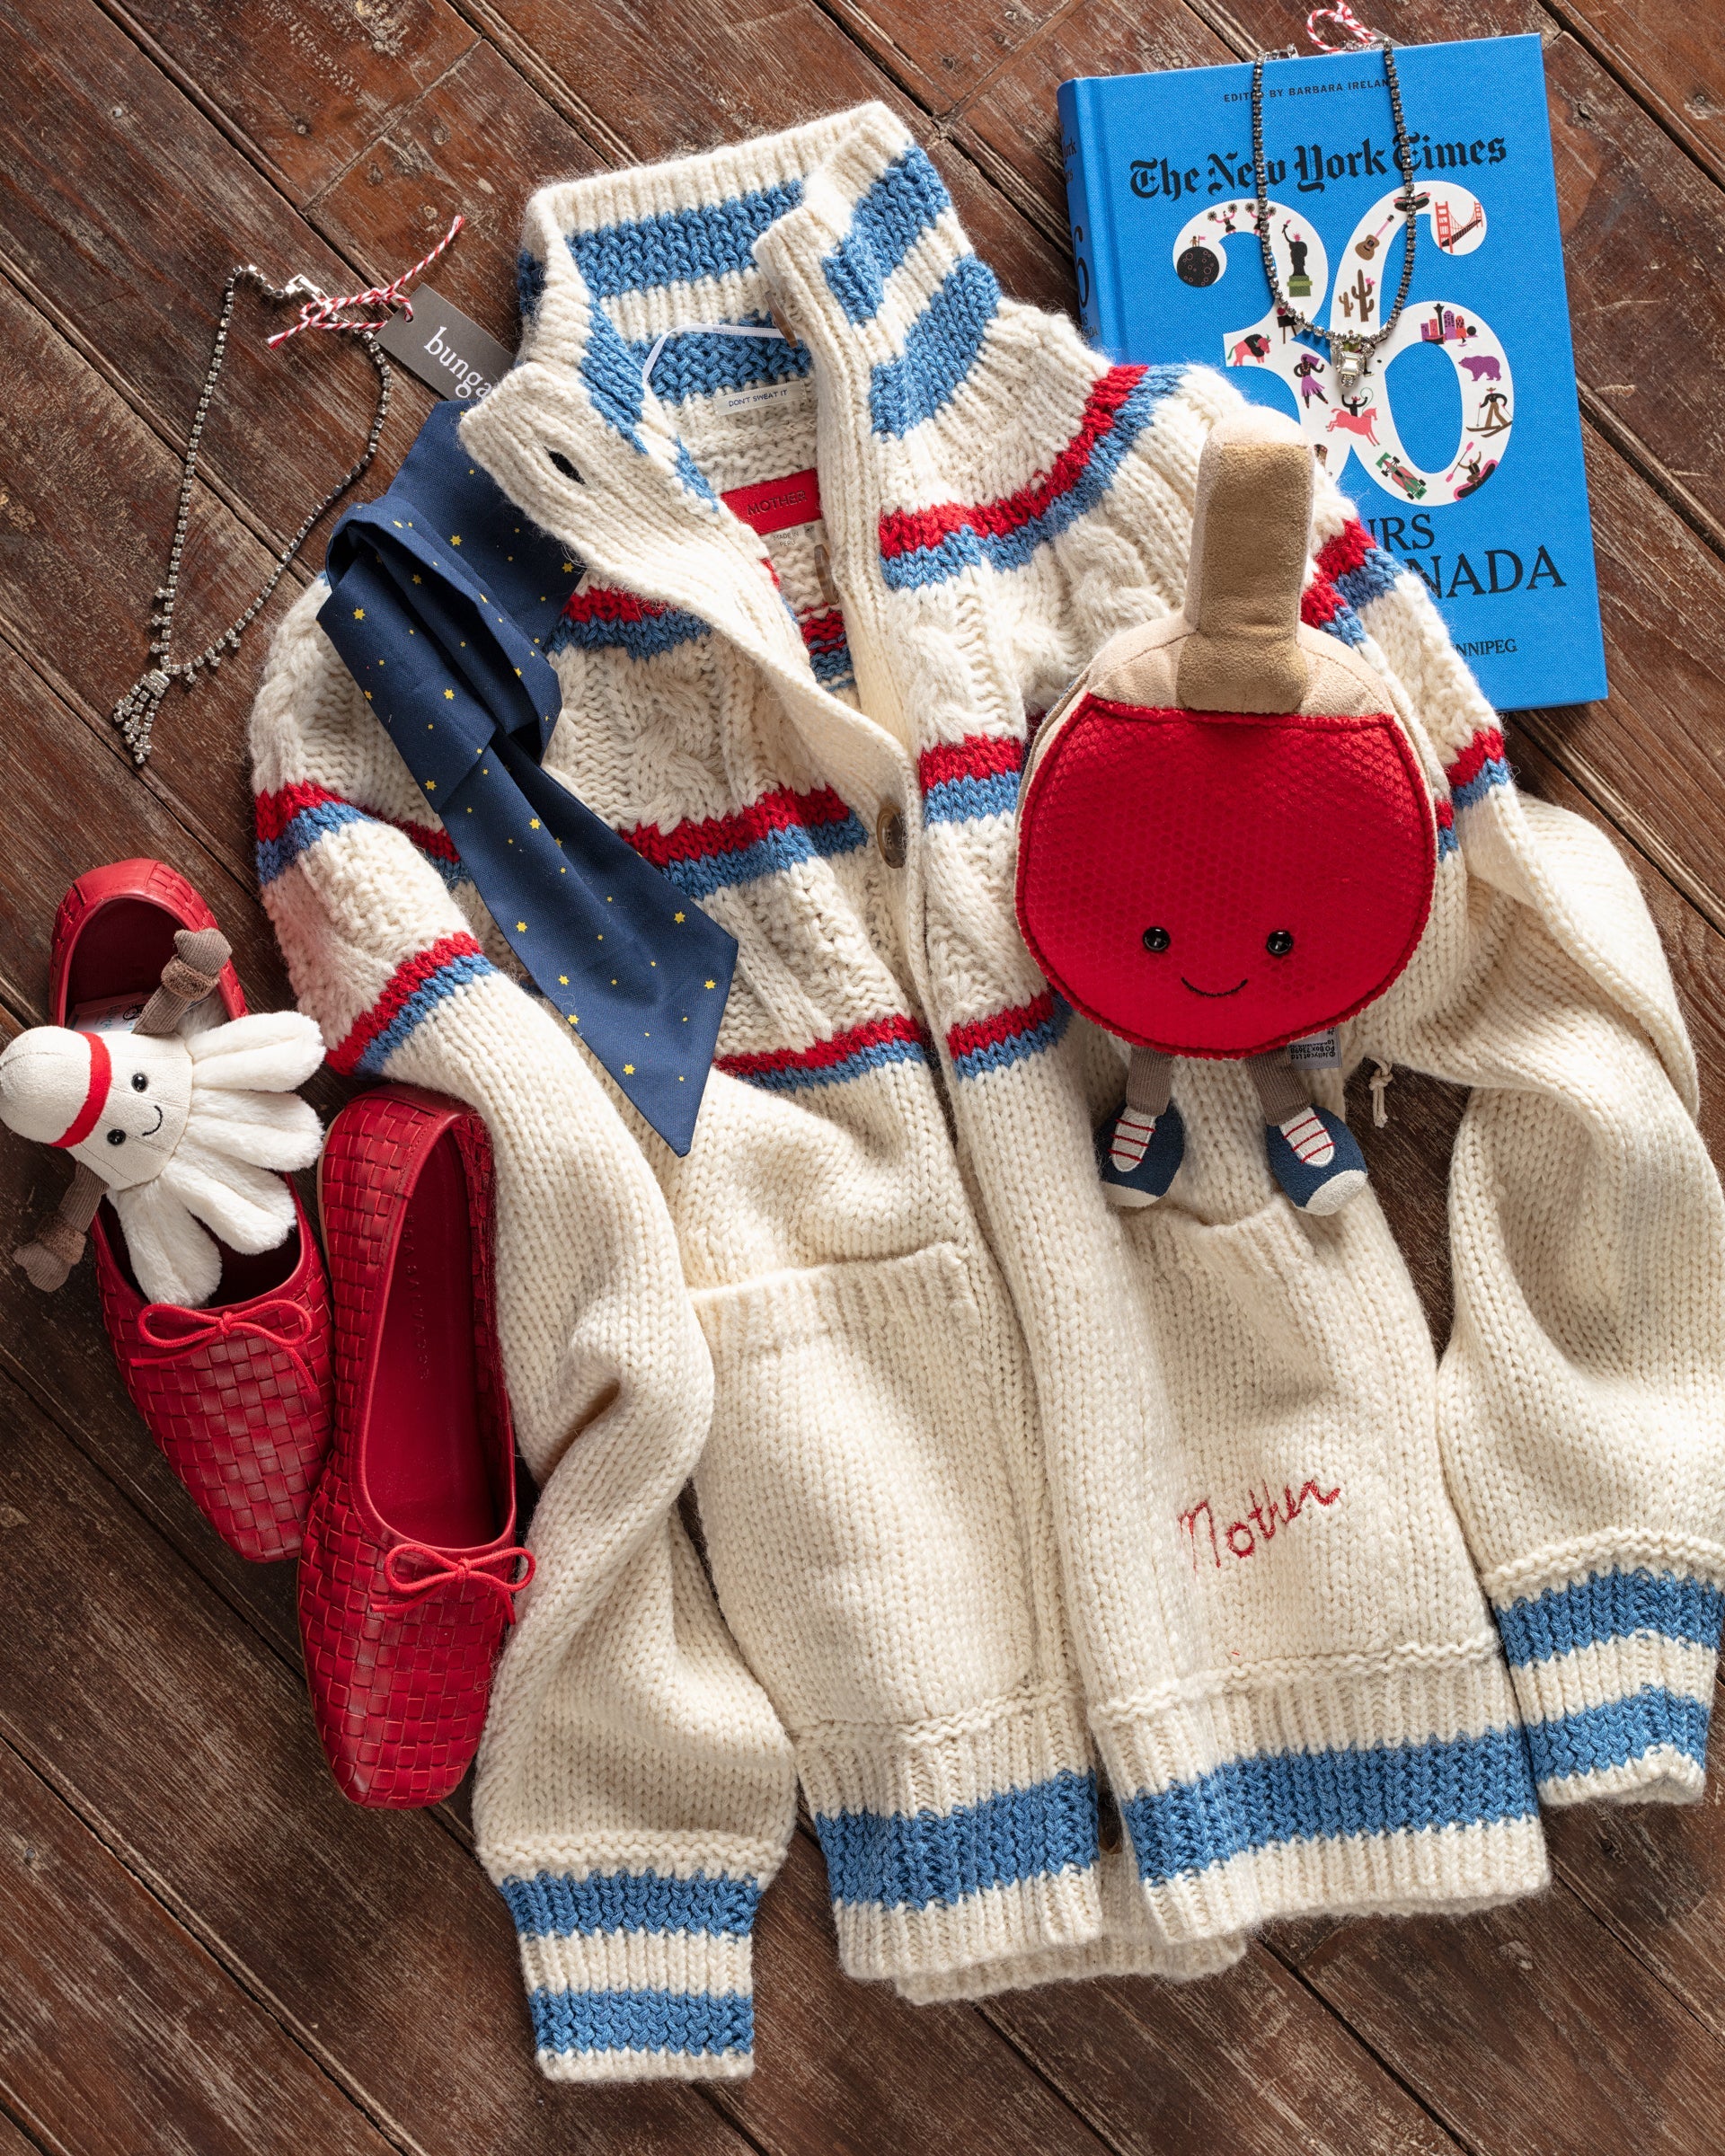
<point x="635" y="1976"/>
<point x="1614" y="1673"/>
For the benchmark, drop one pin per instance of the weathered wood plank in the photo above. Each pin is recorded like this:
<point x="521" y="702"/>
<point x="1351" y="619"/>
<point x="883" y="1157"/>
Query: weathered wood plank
<point x="1670" y="56"/>
<point x="117" y="2031"/>
<point x="309" y="85"/>
<point x="1249" y="2063"/>
<point x="370" y="1936"/>
<point x="850" y="2070"/>
<point x="84" y="541"/>
<point x="942" y="54"/>
<point x="1529" y="2029"/>
<point x="131" y="248"/>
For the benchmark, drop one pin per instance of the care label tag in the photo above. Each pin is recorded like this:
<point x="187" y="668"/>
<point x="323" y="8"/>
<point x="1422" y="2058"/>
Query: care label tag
<point x="775" y="505"/>
<point x="109" y="1013"/>
<point x="1316" y="1052"/>
<point x="763" y="395"/>
<point x="445" y="347"/>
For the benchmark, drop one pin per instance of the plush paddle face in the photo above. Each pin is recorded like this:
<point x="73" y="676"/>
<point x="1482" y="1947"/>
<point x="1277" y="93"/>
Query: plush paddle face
<point x="1215" y="885"/>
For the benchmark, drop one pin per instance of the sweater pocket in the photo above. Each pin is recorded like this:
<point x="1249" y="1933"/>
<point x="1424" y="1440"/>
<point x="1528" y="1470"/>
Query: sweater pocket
<point x="856" y="1492"/>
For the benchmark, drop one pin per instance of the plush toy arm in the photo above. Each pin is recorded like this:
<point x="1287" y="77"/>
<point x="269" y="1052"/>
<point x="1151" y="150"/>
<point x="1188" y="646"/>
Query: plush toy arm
<point x="59" y="1244"/>
<point x="187" y="978"/>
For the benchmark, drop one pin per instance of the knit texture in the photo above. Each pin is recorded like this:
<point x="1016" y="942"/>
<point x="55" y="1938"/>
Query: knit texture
<point x="1003" y="1495"/>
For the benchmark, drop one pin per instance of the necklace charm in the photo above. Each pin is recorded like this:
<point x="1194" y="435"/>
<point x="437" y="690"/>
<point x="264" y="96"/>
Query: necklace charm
<point x="1350" y="371"/>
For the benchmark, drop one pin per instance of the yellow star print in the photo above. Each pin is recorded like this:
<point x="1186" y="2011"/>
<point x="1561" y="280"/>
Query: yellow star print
<point x="533" y="822"/>
<point x="358" y="614"/>
<point x="712" y="983"/>
<point x="679" y="916"/>
<point x="431" y="785"/>
<point x="562" y="980"/>
<point x="521" y="928"/>
<point x="448" y="695"/>
<point x="455" y="538"/>
<point x="628" y="1069"/>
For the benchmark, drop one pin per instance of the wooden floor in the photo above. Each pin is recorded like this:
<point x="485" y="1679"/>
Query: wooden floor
<point x="202" y="1947"/>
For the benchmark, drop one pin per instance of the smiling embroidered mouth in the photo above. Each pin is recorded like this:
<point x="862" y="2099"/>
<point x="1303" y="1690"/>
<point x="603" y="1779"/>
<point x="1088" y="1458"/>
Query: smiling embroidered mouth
<point x="1196" y="990"/>
<point x="161" y="1118"/>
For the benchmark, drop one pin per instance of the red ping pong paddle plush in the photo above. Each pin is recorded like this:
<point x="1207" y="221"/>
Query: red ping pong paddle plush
<point x="1226" y="843"/>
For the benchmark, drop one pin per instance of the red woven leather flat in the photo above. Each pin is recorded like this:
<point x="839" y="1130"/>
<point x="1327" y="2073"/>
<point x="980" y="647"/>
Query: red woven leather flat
<point x="409" y="1570"/>
<point x="236" y="1395"/>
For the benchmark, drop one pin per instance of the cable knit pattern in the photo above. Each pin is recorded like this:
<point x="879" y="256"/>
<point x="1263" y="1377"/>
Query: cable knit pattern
<point x="1004" y="1496"/>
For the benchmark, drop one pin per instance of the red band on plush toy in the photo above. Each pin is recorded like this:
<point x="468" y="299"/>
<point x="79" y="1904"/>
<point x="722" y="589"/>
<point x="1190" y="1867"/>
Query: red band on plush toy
<point x="102" y="1070"/>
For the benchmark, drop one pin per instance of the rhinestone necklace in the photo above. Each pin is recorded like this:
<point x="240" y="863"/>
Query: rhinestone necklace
<point x="135" y="713"/>
<point x="1350" y="350"/>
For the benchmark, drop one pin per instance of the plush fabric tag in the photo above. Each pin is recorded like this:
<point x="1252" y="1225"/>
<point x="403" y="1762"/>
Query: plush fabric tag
<point x="775" y="505"/>
<point x="1316" y="1052"/>
<point x="445" y="347"/>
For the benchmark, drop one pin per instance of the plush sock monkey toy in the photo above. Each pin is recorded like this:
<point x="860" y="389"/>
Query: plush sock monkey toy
<point x="1226" y="842"/>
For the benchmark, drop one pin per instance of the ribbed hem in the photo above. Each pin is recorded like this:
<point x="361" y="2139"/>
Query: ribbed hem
<point x="1392" y="1784"/>
<point x="1128" y="1946"/>
<point x="1613" y="1667"/>
<point x="955" y="1843"/>
<point x="638" y="1975"/>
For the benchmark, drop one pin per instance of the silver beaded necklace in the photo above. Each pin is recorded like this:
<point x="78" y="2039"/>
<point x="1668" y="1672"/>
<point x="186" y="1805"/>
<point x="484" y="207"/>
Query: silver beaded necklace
<point x="135" y="713"/>
<point x="1350" y="350"/>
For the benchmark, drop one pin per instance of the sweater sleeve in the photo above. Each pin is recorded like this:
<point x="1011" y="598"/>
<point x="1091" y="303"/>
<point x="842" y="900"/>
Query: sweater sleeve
<point x="635" y="1789"/>
<point x="1581" y="1400"/>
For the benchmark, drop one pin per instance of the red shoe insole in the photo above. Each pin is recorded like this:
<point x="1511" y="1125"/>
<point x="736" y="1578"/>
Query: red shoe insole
<point x="426" y="1445"/>
<point x="126" y="943"/>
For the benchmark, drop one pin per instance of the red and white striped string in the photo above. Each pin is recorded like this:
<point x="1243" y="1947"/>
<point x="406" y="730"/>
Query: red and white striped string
<point x="325" y="311"/>
<point x="1344" y="18"/>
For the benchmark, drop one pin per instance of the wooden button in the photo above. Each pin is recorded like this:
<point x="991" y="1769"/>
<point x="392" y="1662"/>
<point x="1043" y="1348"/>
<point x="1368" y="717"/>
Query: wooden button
<point x="889" y="836"/>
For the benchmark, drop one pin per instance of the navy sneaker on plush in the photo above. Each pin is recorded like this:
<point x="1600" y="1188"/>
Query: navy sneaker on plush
<point x="1140" y="1157"/>
<point x="1316" y="1159"/>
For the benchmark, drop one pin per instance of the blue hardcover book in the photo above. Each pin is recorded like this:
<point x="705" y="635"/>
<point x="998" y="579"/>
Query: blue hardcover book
<point x="1461" y="448"/>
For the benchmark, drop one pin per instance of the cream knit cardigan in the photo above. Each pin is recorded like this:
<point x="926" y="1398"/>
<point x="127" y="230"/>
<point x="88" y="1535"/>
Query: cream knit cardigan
<point x="1009" y="1501"/>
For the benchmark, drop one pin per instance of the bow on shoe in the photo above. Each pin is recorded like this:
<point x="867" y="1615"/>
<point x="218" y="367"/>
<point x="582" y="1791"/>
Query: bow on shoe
<point x="446" y="1571"/>
<point x="171" y="1332"/>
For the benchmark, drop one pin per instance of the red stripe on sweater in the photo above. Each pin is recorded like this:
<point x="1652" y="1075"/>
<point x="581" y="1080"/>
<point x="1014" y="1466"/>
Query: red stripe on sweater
<point x="276" y="811"/>
<point x="779" y="810"/>
<point x="606" y="602"/>
<point x="976" y="756"/>
<point x="1000" y="1026"/>
<point x="408" y="978"/>
<point x="1348" y="549"/>
<point x="823" y="632"/>
<point x="824" y="1055"/>
<point x="1485" y="747"/>
<point x="1320" y="602"/>
<point x="904" y="530"/>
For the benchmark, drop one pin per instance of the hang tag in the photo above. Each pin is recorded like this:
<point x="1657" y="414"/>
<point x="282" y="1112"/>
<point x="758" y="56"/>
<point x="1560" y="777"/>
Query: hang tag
<point x="446" y="349"/>
<point x="1316" y="1052"/>
<point x="776" y="505"/>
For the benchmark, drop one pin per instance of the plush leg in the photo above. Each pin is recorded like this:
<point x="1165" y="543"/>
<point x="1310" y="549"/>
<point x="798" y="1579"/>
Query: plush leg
<point x="1139" y="1150"/>
<point x="1313" y="1154"/>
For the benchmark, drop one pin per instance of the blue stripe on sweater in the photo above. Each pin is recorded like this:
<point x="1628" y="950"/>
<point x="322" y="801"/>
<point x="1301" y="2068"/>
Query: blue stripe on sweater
<point x="1001" y="1055"/>
<point x="1376" y="576"/>
<point x="679" y="245"/>
<point x="780" y="849"/>
<point x="959" y="800"/>
<point x="1345" y="625"/>
<point x="1610" y="1606"/>
<point x="471" y="965"/>
<point x="649" y="638"/>
<point x="275" y="854"/>
<point x="968" y="547"/>
<point x="630" y="1901"/>
<point x="1595" y="1738"/>
<point x="1268" y="1797"/>
<point x="701" y="2023"/>
<point x="940" y="347"/>
<point x="1493" y="771"/>
<point x="903" y="1861"/>
<point x="613" y="376"/>
<point x="887" y="223"/>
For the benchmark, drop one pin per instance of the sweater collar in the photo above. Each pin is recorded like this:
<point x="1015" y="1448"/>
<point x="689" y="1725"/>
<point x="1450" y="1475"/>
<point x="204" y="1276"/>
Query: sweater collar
<point x="844" y="230"/>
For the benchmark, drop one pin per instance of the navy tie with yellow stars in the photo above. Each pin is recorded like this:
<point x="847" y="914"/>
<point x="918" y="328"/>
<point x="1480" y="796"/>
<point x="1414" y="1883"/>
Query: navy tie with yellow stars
<point x="443" y="594"/>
